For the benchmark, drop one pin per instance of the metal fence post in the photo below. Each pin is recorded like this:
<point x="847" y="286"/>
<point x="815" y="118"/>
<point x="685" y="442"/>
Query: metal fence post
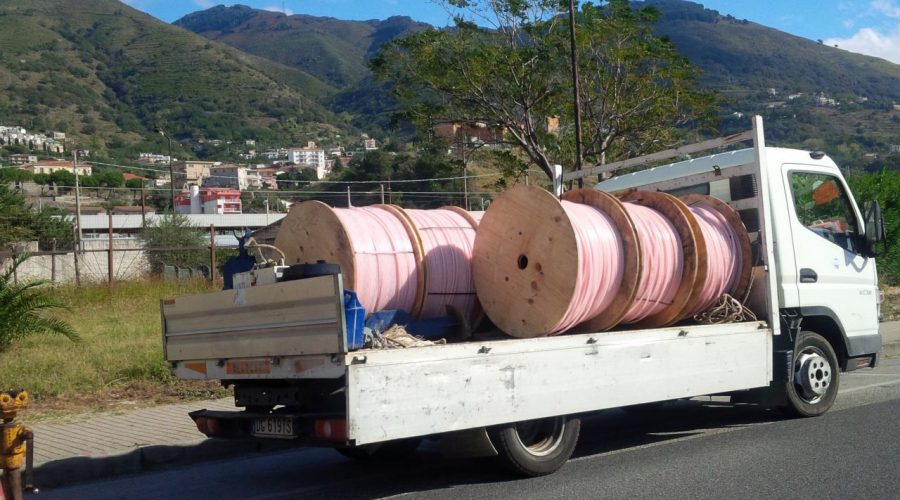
<point x="212" y="253"/>
<point x="109" y="252"/>
<point x="53" y="261"/>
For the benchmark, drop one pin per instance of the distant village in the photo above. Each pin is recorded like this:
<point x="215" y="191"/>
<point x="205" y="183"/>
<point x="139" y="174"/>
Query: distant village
<point x="202" y="186"/>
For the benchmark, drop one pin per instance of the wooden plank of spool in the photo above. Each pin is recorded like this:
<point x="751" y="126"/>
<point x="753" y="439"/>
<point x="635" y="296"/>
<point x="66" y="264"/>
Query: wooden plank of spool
<point x="465" y="213"/>
<point x="741" y="288"/>
<point x="525" y="261"/>
<point x="693" y="247"/>
<point x="418" y="252"/>
<point x="631" y="275"/>
<point x="312" y="231"/>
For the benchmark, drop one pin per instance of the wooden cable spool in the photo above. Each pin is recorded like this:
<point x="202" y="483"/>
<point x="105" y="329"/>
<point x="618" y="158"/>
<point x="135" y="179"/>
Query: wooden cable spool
<point x="631" y="247"/>
<point x="693" y="247"/>
<point x="526" y="260"/>
<point x="741" y="288"/>
<point x="312" y="231"/>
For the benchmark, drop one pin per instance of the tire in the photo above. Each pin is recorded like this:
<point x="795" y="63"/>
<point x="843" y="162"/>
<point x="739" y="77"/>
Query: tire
<point x="536" y="447"/>
<point x="814" y="379"/>
<point x="391" y="450"/>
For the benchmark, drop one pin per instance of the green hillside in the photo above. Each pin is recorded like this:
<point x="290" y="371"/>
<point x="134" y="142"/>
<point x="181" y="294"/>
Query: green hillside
<point x="333" y="50"/>
<point x="752" y="68"/>
<point x="106" y="74"/>
<point x="738" y="55"/>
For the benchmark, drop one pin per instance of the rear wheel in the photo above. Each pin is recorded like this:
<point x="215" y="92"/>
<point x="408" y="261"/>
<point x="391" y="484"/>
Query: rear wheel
<point x="536" y="447"/>
<point x="814" y="378"/>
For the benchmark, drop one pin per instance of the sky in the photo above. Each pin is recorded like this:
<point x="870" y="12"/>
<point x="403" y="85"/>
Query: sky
<point x="869" y="27"/>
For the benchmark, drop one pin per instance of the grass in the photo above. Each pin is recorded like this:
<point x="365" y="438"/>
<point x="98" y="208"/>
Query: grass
<point x="117" y="364"/>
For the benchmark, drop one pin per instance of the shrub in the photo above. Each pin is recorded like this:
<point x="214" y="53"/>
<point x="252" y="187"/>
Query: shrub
<point x="23" y="307"/>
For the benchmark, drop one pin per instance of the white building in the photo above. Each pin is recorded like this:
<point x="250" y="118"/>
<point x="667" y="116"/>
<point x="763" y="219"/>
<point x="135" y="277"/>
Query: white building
<point x="233" y="176"/>
<point x="311" y="156"/>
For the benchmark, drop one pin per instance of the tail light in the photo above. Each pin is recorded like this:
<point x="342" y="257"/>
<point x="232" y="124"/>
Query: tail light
<point x="332" y="429"/>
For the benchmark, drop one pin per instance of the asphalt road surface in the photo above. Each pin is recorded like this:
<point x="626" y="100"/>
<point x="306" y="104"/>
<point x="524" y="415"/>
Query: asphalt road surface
<point x="695" y="449"/>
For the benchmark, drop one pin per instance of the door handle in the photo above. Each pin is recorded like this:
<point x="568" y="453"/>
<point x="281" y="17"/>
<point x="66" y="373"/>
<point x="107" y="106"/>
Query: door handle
<point x="807" y="275"/>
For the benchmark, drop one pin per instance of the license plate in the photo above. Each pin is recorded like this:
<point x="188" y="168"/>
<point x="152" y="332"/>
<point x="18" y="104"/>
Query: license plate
<point x="282" y="427"/>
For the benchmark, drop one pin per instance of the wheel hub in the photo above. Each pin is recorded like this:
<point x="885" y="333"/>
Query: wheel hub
<point x="813" y="375"/>
<point x="541" y="437"/>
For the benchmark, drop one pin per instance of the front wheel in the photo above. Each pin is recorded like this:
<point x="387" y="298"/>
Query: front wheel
<point x="536" y="447"/>
<point x="814" y="378"/>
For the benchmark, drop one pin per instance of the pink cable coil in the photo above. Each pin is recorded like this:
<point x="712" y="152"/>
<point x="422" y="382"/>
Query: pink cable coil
<point x="386" y="274"/>
<point x="723" y="250"/>
<point x="662" y="262"/>
<point x="601" y="259"/>
<point x="447" y="240"/>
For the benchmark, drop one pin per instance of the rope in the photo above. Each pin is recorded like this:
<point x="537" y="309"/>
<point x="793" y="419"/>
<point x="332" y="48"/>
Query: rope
<point x="447" y="240"/>
<point x="662" y="262"/>
<point x="726" y="309"/>
<point x="600" y="263"/>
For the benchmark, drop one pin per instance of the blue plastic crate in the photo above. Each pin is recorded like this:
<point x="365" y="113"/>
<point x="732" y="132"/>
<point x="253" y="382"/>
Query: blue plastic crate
<point x="355" y="315"/>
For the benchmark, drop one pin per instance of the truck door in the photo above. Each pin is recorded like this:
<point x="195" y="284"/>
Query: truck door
<point x="832" y="277"/>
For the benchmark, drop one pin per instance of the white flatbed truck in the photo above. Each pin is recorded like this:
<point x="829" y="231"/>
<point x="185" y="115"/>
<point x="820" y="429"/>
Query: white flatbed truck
<point x="283" y="346"/>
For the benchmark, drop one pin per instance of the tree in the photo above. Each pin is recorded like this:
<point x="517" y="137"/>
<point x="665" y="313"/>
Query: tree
<point x="883" y="186"/>
<point x="174" y="241"/>
<point x="23" y="308"/>
<point x="14" y="174"/>
<point x="515" y="73"/>
<point x="19" y="223"/>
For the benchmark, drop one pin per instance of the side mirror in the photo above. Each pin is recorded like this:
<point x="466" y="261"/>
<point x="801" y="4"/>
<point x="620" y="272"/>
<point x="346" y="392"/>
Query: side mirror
<point x="874" y="225"/>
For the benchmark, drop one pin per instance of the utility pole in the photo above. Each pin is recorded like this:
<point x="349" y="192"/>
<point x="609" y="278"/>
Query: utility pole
<point x="576" y="91"/>
<point x="381" y="187"/>
<point x="465" y="178"/>
<point x="348" y="198"/>
<point x="159" y="130"/>
<point x="77" y="218"/>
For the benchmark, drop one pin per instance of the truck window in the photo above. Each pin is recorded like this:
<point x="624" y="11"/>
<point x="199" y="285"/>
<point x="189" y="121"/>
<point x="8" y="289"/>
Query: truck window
<point x="823" y="206"/>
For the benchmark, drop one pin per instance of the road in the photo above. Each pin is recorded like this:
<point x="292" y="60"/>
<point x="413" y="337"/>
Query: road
<point x="699" y="449"/>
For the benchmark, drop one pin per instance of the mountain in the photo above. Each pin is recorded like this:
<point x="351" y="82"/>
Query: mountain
<point x="739" y="55"/>
<point x="333" y="50"/>
<point x="753" y="68"/>
<point x="106" y="74"/>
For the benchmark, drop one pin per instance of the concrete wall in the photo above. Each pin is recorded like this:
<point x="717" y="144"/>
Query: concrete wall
<point x="93" y="266"/>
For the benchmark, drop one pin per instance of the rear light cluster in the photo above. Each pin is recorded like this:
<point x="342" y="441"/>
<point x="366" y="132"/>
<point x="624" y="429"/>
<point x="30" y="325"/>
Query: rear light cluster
<point x="332" y="429"/>
<point x="209" y="426"/>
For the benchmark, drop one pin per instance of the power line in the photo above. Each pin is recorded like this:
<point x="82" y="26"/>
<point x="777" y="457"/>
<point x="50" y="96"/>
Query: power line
<point x="382" y="181"/>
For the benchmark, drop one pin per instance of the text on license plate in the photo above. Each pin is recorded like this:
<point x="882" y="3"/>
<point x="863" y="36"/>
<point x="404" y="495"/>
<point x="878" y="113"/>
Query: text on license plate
<point x="273" y="426"/>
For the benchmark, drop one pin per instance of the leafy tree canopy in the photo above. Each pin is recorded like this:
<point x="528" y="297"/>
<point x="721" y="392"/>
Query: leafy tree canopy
<point x="507" y="63"/>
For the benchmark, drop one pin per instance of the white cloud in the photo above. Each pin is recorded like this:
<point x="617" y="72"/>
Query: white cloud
<point x="886" y="7"/>
<point x="273" y="8"/>
<point x="205" y="4"/>
<point x="871" y="42"/>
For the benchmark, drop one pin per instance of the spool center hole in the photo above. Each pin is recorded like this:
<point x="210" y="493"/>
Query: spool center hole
<point x="522" y="261"/>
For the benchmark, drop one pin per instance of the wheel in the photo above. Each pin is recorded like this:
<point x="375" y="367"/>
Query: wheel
<point x="391" y="450"/>
<point x="536" y="447"/>
<point x="814" y="379"/>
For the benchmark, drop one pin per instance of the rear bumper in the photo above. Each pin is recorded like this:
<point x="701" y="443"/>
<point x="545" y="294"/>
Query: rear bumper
<point x="307" y="429"/>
